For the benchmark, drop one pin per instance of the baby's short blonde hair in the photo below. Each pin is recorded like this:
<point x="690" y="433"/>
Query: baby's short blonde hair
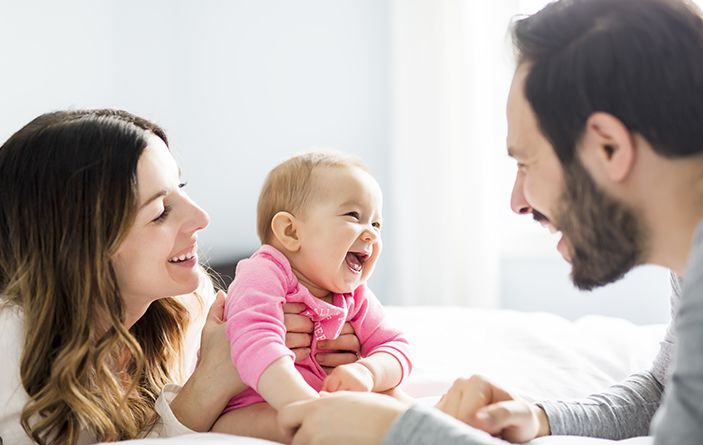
<point x="289" y="185"/>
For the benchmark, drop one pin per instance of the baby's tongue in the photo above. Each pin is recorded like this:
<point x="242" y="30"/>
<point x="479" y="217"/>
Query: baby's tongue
<point x="353" y="262"/>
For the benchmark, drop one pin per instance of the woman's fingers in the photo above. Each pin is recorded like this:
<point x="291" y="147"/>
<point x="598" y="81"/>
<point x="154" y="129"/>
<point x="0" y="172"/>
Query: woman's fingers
<point x="217" y="310"/>
<point x="297" y="323"/>
<point x="345" y="342"/>
<point x="293" y="308"/>
<point x="334" y="359"/>
<point x="296" y="340"/>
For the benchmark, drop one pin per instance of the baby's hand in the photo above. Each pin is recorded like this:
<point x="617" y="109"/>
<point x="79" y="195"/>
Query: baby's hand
<point x="350" y="377"/>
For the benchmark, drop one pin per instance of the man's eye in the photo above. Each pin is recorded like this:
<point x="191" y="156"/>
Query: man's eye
<point x="354" y="215"/>
<point x="163" y="215"/>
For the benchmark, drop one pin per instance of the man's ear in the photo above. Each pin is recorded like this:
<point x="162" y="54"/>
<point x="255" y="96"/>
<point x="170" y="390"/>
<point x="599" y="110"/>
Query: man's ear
<point x="607" y="147"/>
<point x="284" y="228"/>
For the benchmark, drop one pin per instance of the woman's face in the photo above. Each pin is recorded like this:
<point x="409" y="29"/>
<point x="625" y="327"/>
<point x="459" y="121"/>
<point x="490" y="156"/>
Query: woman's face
<point x="158" y="256"/>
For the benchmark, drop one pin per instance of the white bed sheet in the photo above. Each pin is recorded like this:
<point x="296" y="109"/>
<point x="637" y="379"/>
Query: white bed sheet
<point x="536" y="355"/>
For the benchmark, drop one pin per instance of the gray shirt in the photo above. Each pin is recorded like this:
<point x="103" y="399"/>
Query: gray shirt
<point x="624" y="410"/>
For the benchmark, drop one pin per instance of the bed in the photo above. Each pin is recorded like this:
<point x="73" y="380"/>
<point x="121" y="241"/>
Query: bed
<point x="536" y="355"/>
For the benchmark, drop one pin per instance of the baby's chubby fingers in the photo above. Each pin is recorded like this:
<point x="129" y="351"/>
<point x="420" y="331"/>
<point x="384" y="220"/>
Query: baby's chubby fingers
<point x="331" y="383"/>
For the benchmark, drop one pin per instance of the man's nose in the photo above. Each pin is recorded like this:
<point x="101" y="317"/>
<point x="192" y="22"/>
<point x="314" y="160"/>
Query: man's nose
<point x="517" y="199"/>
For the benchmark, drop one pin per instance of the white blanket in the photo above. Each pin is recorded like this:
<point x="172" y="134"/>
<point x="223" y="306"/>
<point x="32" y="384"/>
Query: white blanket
<point x="537" y="355"/>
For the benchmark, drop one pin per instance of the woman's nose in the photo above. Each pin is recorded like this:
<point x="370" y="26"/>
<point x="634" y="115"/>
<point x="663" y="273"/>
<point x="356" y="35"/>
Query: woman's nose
<point x="198" y="218"/>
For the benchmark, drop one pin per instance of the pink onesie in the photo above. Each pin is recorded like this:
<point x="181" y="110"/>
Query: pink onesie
<point x="254" y="317"/>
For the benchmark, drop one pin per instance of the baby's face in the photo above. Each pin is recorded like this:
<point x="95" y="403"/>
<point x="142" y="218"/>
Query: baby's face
<point x="339" y="230"/>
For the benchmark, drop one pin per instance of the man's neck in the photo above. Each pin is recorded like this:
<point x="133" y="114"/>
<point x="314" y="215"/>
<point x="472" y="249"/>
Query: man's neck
<point x="675" y="209"/>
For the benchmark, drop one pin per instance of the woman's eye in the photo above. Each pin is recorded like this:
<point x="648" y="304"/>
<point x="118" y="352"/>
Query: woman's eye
<point x="182" y="184"/>
<point x="163" y="215"/>
<point x="354" y="215"/>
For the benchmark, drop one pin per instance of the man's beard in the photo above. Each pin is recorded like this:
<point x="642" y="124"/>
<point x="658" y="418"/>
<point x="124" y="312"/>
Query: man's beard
<point x="605" y="237"/>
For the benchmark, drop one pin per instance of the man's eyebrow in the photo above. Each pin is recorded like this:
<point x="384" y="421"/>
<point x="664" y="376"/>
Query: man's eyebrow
<point x="156" y="196"/>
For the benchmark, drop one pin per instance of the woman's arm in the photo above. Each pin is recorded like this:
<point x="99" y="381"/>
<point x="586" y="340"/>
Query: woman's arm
<point x="214" y="381"/>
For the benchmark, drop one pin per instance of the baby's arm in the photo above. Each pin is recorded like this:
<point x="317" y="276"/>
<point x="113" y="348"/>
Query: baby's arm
<point x="255" y="325"/>
<point x="378" y="372"/>
<point x="281" y="384"/>
<point x="385" y="351"/>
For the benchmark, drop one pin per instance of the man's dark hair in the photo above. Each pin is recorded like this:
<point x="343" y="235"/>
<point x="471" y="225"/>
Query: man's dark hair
<point x="639" y="60"/>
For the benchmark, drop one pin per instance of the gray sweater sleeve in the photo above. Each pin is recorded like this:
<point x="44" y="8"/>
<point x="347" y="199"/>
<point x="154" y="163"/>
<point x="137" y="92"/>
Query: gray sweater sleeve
<point x="423" y="425"/>
<point x="680" y="419"/>
<point x="625" y="409"/>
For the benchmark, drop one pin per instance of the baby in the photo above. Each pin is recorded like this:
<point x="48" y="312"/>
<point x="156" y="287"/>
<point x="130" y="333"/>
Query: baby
<point x="319" y="221"/>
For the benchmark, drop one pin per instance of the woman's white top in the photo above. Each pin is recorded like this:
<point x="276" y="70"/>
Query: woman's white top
<point x="13" y="396"/>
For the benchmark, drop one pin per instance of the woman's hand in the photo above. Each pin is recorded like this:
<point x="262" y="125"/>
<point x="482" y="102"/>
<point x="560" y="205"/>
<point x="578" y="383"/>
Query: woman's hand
<point x="483" y="405"/>
<point x="341" y="418"/>
<point x="214" y="381"/>
<point x="340" y="351"/>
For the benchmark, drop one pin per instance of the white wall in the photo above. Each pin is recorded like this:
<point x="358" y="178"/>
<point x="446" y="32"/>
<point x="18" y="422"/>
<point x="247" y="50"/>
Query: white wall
<point x="238" y="85"/>
<point x="241" y="84"/>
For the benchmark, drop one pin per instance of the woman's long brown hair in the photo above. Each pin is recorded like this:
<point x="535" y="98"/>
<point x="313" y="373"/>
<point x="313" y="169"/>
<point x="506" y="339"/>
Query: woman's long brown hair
<point x="68" y="195"/>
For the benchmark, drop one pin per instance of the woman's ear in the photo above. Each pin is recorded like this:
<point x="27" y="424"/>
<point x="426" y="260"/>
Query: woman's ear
<point x="608" y="147"/>
<point x="285" y="231"/>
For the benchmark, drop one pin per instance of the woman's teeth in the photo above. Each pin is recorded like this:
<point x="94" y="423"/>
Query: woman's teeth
<point x="178" y="259"/>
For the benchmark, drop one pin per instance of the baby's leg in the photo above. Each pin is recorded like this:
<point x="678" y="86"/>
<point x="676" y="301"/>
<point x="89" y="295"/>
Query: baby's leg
<point x="258" y="420"/>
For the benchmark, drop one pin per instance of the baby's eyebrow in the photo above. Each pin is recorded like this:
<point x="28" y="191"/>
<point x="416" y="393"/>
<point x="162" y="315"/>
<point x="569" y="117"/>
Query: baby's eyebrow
<point x="351" y="202"/>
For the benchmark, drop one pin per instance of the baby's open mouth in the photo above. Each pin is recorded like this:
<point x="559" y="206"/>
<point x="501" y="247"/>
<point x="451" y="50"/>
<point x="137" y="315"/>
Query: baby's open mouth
<point x="355" y="260"/>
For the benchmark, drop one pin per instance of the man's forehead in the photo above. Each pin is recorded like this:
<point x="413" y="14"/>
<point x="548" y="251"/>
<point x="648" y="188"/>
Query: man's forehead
<point x="522" y="122"/>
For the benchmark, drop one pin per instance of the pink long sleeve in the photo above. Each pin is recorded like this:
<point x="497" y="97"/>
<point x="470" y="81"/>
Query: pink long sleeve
<point x="254" y="315"/>
<point x="375" y="335"/>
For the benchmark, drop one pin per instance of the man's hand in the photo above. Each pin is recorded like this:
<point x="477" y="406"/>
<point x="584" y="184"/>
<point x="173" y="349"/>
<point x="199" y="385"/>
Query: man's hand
<point x="341" y="418"/>
<point x="350" y="377"/>
<point x="483" y="405"/>
<point x="343" y="350"/>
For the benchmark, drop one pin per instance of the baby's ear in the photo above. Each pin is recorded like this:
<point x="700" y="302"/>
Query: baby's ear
<point x="284" y="228"/>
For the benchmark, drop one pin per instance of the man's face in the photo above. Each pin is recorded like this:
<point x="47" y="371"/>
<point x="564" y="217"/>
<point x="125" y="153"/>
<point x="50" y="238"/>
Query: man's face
<point x="601" y="237"/>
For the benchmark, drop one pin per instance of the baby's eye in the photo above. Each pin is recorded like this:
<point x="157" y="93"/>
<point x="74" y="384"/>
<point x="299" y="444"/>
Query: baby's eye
<point x="354" y="215"/>
<point x="377" y="225"/>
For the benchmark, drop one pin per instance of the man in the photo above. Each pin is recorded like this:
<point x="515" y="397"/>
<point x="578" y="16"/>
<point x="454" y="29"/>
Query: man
<point x="605" y="121"/>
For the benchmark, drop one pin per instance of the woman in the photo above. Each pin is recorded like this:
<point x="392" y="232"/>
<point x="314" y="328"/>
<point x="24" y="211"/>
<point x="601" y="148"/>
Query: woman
<point x="97" y="238"/>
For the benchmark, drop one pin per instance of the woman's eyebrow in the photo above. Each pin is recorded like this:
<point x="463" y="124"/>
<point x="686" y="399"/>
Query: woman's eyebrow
<point x="156" y="196"/>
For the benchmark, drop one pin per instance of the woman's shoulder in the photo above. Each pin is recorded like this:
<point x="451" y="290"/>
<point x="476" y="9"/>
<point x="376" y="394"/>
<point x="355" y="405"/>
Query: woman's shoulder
<point x="11" y="321"/>
<point x="12" y="394"/>
<point x="12" y="328"/>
